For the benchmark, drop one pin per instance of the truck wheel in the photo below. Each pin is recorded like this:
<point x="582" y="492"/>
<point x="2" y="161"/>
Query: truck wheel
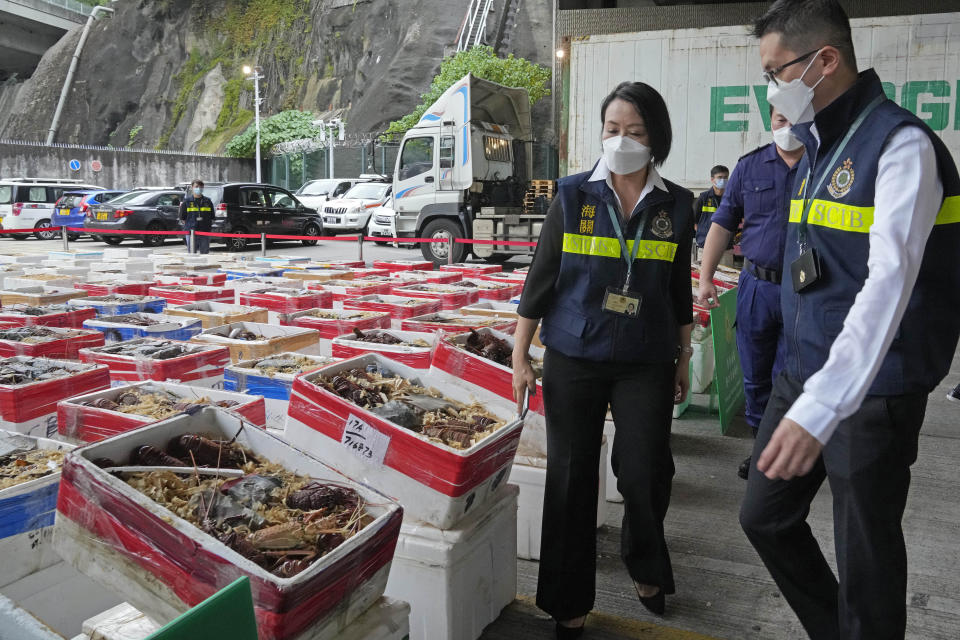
<point x="437" y="251"/>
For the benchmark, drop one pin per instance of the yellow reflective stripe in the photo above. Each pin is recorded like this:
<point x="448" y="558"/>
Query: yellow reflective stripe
<point x="710" y="209"/>
<point x="950" y="211"/>
<point x="610" y="247"/>
<point x="205" y="209"/>
<point x="192" y="209"/>
<point x="834" y="215"/>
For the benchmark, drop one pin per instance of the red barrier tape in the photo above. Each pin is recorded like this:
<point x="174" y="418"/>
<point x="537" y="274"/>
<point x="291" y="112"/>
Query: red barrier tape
<point x="404" y="240"/>
<point x="100" y="232"/>
<point x="210" y="234"/>
<point x="333" y="238"/>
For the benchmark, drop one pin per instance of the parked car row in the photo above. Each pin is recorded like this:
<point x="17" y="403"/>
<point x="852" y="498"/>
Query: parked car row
<point x="319" y="207"/>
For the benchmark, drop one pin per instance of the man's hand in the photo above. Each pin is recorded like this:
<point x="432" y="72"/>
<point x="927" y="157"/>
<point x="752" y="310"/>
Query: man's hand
<point x="791" y="452"/>
<point x="523" y="379"/>
<point x="707" y="294"/>
<point x="681" y="379"/>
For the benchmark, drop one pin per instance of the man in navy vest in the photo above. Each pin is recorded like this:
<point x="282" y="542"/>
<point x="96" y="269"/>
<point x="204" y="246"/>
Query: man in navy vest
<point x="196" y="212"/>
<point x="758" y="195"/>
<point x="708" y="201"/>
<point x="868" y="300"/>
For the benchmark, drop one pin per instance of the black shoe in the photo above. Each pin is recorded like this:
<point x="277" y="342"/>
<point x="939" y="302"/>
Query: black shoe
<point x="954" y="395"/>
<point x="568" y="633"/>
<point x="744" y="469"/>
<point x="655" y="604"/>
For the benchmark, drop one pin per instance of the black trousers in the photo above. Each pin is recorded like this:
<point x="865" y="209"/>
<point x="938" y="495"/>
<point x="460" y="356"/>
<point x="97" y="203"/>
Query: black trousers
<point x="867" y="462"/>
<point x="201" y="244"/>
<point x="576" y="393"/>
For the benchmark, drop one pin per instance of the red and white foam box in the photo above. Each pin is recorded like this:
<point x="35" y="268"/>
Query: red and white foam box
<point x="28" y="282"/>
<point x="439" y="277"/>
<point x="471" y="270"/>
<point x="27" y="511"/>
<point x="454" y="322"/>
<point x="491" y="291"/>
<point x="436" y="484"/>
<point x="450" y="296"/>
<point x="31" y="408"/>
<point x="238" y="285"/>
<point x="412" y="355"/>
<point x="185" y="294"/>
<point x="336" y="264"/>
<point x="206" y="279"/>
<point x="341" y="290"/>
<point x="336" y="322"/>
<point x="509" y="277"/>
<point x="492" y="382"/>
<point x="272" y="339"/>
<point x="364" y="272"/>
<point x="282" y="300"/>
<point x="139" y="288"/>
<point x="80" y="423"/>
<point x="163" y="565"/>
<point x="57" y="316"/>
<point x="403" y="265"/>
<point x="65" y="345"/>
<point x="303" y="276"/>
<point x="399" y="307"/>
<point x="201" y="366"/>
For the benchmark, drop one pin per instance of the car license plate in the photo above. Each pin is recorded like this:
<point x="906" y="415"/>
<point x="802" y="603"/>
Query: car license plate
<point x="330" y="219"/>
<point x="101" y="215"/>
<point x="64" y="212"/>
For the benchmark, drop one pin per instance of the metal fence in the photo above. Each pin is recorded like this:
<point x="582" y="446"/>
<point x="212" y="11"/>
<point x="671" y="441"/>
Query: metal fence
<point x="70" y="5"/>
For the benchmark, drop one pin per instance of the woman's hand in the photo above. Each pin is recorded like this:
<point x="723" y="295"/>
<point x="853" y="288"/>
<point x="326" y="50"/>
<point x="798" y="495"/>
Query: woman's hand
<point x="523" y="378"/>
<point x="681" y="379"/>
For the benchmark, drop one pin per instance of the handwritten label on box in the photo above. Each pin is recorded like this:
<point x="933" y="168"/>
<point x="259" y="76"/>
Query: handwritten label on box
<point x="364" y="441"/>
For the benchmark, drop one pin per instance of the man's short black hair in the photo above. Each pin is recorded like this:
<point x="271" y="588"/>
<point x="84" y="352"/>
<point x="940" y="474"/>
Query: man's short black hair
<point x="807" y="25"/>
<point x="717" y="170"/>
<point x="651" y="107"/>
<point x="197" y="183"/>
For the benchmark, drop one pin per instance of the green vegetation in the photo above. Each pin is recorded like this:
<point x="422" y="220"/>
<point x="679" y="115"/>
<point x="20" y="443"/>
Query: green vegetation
<point x="283" y="127"/>
<point x="482" y="62"/>
<point x="133" y="134"/>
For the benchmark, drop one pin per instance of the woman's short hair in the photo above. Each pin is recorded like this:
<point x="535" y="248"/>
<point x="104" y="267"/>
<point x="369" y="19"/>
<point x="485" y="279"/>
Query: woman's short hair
<point x="651" y="107"/>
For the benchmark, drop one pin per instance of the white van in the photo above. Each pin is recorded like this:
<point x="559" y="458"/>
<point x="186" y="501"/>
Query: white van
<point x="28" y="203"/>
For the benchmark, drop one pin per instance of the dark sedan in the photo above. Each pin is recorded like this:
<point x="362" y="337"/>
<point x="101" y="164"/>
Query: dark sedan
<point x="139" y="210"/>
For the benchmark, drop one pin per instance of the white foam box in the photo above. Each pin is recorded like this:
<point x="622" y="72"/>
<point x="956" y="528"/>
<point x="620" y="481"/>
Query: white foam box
<point x="81" y="423"/>
<point x="702" y="363"/>
<point x="242" y="377"/>
<point x="281" y="260"/>
<point x="26" y="281"/>
<point x="436" y="484"/>
<point x="163" y="565"/>
<point x="21" y="258"/>
<point x="66" y="267"/>
<point x="457" y="581"/>
<point x="37" y="295"/>
<point x="399" y="307"/>
<point x="336" y="322"/>
<point x="125" y="253"/>
<point x="26" y="520"/>
<point x="131" y="265"/>
<point x="92" y="254"/>
<point x="215" y="314"/>
<point x="122" y="622"/>
<point x="347" y="346"/>
<point x="530" y="475"/>
<point x="276" y="339"/>
<point x="387" y="619"/>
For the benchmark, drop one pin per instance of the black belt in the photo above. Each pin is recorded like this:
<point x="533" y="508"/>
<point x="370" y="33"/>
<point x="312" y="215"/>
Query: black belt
<point x="768" y="275"/>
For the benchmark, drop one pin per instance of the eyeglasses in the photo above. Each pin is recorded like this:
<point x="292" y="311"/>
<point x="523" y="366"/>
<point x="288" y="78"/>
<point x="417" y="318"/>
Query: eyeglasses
<point x="771" y="76"/>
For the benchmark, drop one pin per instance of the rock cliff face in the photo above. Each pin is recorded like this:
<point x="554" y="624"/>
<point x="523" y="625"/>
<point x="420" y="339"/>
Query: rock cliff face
<point x="167" y="73"/>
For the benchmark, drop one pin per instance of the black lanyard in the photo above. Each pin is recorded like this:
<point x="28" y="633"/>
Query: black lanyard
<point x="629" y="256"/>
<point x="808" y="202"/>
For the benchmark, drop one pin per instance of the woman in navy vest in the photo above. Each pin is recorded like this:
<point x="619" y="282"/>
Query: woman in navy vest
<point x="611" y="284"/>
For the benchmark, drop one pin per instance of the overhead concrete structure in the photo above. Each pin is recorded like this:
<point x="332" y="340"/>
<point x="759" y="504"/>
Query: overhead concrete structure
<point x="29" y="27"/>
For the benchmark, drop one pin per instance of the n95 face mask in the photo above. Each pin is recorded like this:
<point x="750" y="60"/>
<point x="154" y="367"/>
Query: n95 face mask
<point x="625" y="155"/>
<point x="784" y="138"/>
<point x="794" y="99"/>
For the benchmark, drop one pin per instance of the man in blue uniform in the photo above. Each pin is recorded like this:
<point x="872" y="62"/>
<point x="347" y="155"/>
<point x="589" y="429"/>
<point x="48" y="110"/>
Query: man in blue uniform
<point x="196" y="212"/>
<point x="870" y="322"/>
<point x="759" y="195"/>
<point x="709" y="200"/>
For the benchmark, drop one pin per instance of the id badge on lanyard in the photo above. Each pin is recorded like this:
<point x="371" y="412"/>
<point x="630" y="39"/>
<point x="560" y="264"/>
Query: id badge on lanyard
<point x="806" y="270"/>
<point x="620" y="300"/>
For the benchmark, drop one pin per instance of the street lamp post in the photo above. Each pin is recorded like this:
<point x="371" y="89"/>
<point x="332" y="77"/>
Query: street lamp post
<point x="255" y="73"/>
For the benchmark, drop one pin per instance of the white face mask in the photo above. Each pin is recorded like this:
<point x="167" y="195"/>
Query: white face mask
<point x="784" y="138"/>
<point x="721" y="183"/>
<point x="794" y="99"/>
<point x="625" y="155"/>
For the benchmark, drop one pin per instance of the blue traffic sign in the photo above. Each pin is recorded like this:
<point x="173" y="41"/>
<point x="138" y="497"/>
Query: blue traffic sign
<point x="74" y="165"/>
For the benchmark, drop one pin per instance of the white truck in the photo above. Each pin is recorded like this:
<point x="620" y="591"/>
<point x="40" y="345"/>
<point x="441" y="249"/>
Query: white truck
<point x="710" y="80"/>
<point x="463" y="172"/>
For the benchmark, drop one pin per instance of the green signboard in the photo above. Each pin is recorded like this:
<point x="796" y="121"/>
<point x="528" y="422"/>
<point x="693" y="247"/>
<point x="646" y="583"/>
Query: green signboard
<point x="728" y="378"/>
<point x="226" y="615"/>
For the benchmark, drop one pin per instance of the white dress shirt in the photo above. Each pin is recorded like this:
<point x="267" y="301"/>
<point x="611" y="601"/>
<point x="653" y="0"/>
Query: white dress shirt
<point x="602" y="172"/>
<point x="909" y="195"/>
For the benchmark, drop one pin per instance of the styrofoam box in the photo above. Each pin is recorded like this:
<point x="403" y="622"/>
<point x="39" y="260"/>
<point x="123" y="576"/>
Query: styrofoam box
<point x="76" y="253"/>
<point x="81" y="423"/>
<point x="457" y="581"/>
<point x="436" y="484"/>
<point x="282" y="260"/>
<point x="702" y="364"/>
<point x="347" y="346"/>
<point x="26" y="282"/>
<point x="387" y="619"/>
<point x="277" y="340"/>
<point x="26" y="518"/>
<point x="530" y="475"/>
<point x="122" y="254"/>
<point x="170" y="328"/>
<point x="164" y="565"/>
<point x="330" y="328"/>
<point x="244" y="378"/>
<point x="399" y="307"/>
<point x="130" y="265"/>
<point x="21" y="258"/>
<point x="122" y="622"/>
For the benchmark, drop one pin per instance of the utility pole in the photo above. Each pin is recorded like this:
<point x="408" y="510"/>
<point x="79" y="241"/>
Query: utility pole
<point x="255" y="73"/>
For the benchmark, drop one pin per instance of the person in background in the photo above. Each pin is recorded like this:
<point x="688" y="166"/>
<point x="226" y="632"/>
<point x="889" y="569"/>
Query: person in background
<point x="709" y="200"/>
<point x="611" y="282"/>
<point x="196" y="212"/>
<point x="870" y="319"/>
<point x="758" y="195"/>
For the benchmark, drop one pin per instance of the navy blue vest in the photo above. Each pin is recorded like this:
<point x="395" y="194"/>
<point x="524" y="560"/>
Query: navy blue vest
<point x="591" y="261"/>
<point x="838" y="227"/>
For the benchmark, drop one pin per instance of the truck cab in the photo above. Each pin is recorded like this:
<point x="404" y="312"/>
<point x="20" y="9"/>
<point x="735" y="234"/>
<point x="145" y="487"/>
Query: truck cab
<point x="463" y="167"/>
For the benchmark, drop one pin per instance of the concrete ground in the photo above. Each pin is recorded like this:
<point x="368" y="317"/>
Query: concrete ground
<point x="723" y="590"/>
